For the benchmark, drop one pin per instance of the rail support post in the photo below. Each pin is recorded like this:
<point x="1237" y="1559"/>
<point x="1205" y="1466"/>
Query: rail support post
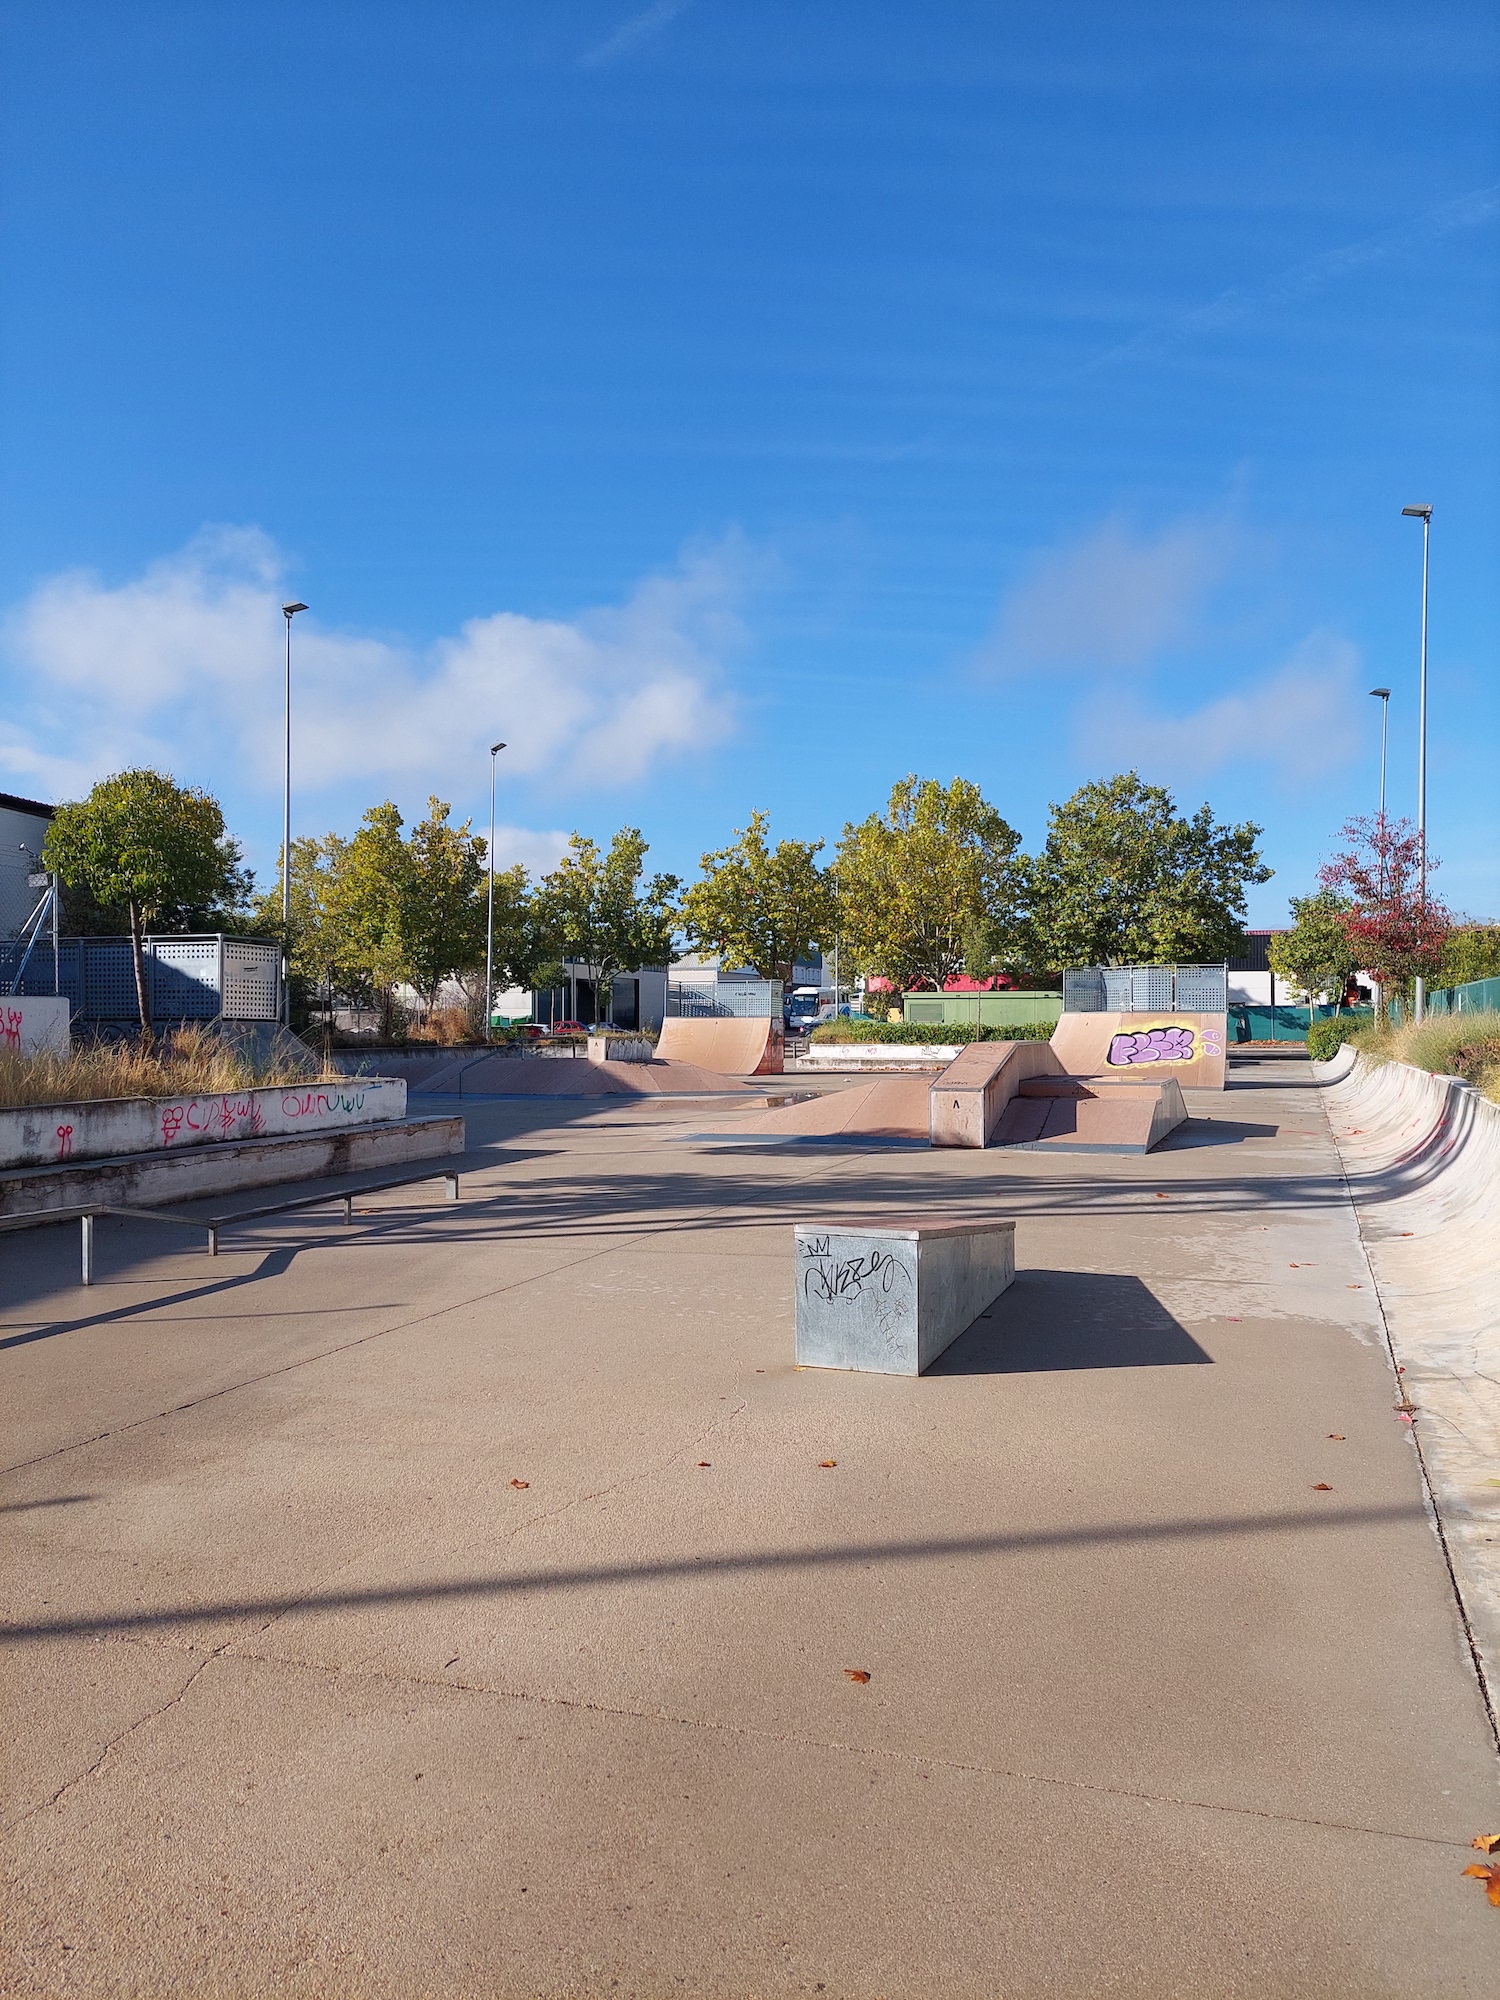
<point x="86" y="1246"/>
<point x="451" y="1181"/>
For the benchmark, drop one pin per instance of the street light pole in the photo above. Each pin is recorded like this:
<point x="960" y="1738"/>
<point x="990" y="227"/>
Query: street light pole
<point x="489" y="927"/>
<point x="1424" y="513"/>
<point x="1384" y="695"/>
<point x="289" y="612"/>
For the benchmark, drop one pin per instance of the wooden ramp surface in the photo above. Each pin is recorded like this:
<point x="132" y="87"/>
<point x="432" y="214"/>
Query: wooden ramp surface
<point x="729" y="1045"/>
<point x="1141" y="1047"/>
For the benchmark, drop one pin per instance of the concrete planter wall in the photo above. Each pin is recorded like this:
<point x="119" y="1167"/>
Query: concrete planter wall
<point x="30" y="1022"/>
<point x="45" y="1135"/>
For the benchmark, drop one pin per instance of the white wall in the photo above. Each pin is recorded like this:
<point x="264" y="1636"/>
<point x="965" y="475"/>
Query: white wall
<point x="16" y="899"/>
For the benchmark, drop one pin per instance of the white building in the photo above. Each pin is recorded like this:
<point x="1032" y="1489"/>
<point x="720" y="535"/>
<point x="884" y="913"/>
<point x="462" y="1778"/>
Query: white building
<point x="23" y="828"/>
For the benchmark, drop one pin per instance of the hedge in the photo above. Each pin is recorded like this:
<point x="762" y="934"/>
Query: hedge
<point x="930" y="1034"/>
<point x="1326" y="1038"/>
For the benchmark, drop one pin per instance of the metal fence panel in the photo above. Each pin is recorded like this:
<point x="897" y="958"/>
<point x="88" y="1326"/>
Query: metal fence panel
<point x="185" y="974"/>
<point x="1146" y="989"/>
<point x="744" y="999"/>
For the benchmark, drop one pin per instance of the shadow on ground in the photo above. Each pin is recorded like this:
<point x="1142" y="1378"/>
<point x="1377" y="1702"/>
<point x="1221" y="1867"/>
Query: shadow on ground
<point x="1054" y="1320"/>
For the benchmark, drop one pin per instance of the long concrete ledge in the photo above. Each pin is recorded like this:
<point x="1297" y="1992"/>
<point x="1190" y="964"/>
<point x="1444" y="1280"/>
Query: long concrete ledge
<point x="1421" y="1155"/>
<point x="143" y="1180"/>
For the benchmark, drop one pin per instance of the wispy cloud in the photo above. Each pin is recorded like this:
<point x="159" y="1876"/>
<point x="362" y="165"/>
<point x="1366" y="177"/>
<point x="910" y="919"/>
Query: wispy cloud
<point x="1300" y="281"/>
<point x="1112" y="598"/>
<point x="1299" y="720"/>
<point x="180" y="666"/>
<point x="632" y="32"/>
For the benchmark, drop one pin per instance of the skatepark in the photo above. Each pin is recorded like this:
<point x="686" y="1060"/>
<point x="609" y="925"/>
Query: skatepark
<point x="479" y="1599"/>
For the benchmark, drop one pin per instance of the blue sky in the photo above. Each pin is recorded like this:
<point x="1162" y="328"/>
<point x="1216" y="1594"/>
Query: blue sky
<point x="739" y="405"/>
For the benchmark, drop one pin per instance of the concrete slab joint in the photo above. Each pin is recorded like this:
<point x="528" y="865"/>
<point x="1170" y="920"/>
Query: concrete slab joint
<point x="888" y="1297"/>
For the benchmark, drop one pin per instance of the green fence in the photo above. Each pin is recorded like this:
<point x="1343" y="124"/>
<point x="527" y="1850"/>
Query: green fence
<point x="982" y="1010"/>
<point x="1283" y="1024"/>
<point x="1465" y="999"/>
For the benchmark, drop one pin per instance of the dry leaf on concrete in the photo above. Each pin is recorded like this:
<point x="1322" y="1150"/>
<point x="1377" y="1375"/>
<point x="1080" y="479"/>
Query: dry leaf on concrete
<point x="1322" y="1487"/>
<point x="520" y="1484"/>
<point x="827" y="1464"/>
<point x="1487" y="1843"/>
<point x="1336" y="1437"/>
<point x="856" y="1674"/>
<point x="705" y="1464"/>
<point x="1490" y="1876"/>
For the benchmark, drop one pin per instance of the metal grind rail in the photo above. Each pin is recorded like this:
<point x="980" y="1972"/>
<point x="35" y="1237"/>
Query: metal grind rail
<point x="212" y="1224"/>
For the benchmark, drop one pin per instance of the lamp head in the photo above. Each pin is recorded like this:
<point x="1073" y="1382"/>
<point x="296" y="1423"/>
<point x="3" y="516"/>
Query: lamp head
<point x="1418" y="513"/>
<point x="494" y="747"/>
<point x="1384" y="693"/>
<point x="292" y="609"/>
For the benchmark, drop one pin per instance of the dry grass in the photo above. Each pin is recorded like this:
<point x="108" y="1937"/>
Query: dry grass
<point x="1466" y="1045"/>
<point x="188" y="1061"/>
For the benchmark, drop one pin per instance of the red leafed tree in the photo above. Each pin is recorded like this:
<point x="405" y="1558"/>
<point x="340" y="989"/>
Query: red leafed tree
<point x="1395" y="922"/>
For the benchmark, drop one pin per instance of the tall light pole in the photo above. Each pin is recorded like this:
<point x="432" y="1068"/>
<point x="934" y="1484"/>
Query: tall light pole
<point x="489" y="927"/>
<point x="1384" y="697"/>
<point x="289" y="612"/>
<point x="1424" y="514"/>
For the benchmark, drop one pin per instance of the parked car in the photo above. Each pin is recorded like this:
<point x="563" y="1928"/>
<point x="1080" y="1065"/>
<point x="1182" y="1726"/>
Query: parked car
<point x="568" y="1028"/>
<point x="529" y="1031"/>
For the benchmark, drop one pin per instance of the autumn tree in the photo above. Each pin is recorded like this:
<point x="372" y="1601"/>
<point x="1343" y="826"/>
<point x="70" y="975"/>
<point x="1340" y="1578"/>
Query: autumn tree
<point x="1123" y="880"/>
<point x="917" y="882"/>
<point x="1398" y="928"/>
<point x="760" y="905"/>
<point x="155" y="849"/>
<point x="1317" y="955"/>
<point x="596" y="909"/>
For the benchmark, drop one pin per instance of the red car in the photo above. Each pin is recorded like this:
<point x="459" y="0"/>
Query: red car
<point x="567" y="1028"/>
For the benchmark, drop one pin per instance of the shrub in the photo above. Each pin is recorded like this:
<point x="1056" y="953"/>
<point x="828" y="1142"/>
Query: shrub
<point x="187" y="1061"/>
<point x="929" y="1034"/>
<point x="1466" y="1045"/>
<point x="1326" y="1038"/>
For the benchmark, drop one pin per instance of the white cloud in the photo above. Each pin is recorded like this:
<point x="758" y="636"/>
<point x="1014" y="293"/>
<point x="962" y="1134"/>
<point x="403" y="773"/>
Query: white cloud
<point x="183" y="667"/>
<point x="1301" y="720"/>
<point x="637" y="28"/>
<point x="1111" y="599"/>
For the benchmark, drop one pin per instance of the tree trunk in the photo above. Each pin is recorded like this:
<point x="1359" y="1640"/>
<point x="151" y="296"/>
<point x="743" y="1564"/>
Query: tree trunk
<point x="142" y="997"/>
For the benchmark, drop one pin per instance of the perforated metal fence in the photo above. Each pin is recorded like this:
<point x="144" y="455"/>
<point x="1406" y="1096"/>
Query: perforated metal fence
<point x="1146" y="989"/>
<point x="745" y="999"/>
<point x="191" y="978"/>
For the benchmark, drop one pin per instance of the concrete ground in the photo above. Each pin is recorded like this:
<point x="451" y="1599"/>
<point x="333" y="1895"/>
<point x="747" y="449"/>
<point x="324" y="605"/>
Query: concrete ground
<point x="460" y="1605"/>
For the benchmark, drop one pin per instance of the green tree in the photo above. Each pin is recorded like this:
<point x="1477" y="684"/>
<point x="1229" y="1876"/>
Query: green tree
<point x="441" y="901"/>
<point x="1123" y="880"/>
<point x="362" y="921"/>
<point x="154" y="848"/>
<point x="1471" y="952"/>
<point x="919" y="883"/>
<point x="1317" y="955"/>
<point x="760" y="905"/>
<point x="595" y="909"/>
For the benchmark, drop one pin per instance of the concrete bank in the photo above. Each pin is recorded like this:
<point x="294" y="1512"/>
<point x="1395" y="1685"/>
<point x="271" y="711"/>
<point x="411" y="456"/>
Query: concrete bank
<point x="146" y="1180"/>
<point x="1422" y="1157"/>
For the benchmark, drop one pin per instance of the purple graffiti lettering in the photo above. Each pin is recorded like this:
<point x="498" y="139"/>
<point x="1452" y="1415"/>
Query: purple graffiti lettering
<point x="171" y="1123"/>
<point x="1151" y="1045"/>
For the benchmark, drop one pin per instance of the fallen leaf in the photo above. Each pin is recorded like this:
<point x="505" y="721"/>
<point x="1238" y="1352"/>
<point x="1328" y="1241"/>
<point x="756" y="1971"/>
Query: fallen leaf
<point x="1161" y="1197"/>
<point x="1404" y="1232"/>
<point x="1487" y="1843"/>
<point x="1399" y="1369"/>
<point x="1234" y="1319"/>
<point x="856" y="1674"/>
<point x="827" y="1464"/>
<point x="1354" y="1288"/>
<point x="704" y="1464"/>
<point x="1492" y="1482"/>
<point x="1337" y="1437"/>
<point x="1322" y="1487"/>
<point x="520" y="1484"/>
<point x="1490" y="1876"/>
